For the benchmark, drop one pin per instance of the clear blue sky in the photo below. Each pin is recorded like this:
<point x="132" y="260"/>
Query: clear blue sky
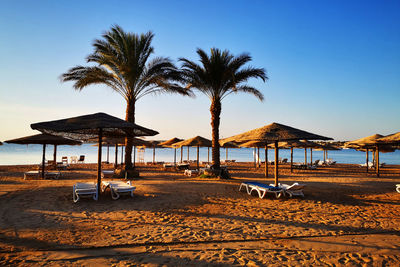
<point x="334" y="66"/>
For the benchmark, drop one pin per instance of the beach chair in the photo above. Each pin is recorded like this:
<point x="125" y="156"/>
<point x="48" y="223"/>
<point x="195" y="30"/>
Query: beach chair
<point x="31" y="174"/>
<point x="190" y="173"/>
<point x="81" y="159"/>
<point x="74" y="159"/>
<point x="118" y="188"/>
<point x="398" y="188"/>
<point x="63" y="164"/>
<point x="84" y="190"/>
<point x="295" y="189"/>
<point x="261" y="189"/>
<point x="330" y="162"/>
<point x="37" y="174"/>
<point x="107" y="173"/>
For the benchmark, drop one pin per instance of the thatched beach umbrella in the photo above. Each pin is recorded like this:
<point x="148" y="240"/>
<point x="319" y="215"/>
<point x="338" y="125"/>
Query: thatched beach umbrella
<point x="152" y="144"/>
<point x="227" y="146"/>
<point x="295" y="144"/>
<point x="118" y="141"/>
<point x="369" y="142"/>
<point x="196" y="141"/>
<point x="325" y="147"/>
<point x="275" y="132"/>
<point x="392" y="139"/>
<point x="170" y="143"/>
<point x="93" y="125"/>
<point x="258" y="144"/>
<point x="44" y="139"/>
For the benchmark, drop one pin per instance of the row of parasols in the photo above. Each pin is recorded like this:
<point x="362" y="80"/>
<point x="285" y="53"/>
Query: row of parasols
<point x="72" y="131"/>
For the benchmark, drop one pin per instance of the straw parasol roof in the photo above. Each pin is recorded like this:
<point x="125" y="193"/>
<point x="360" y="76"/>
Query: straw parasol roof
<point x="195" y="141"/>
<point x="42" y="139"/>
<point x="390" y="139"/>
<point x="274" y="132"/>
<point x="170" y="142"/>
<point x="364" y="142"/>
<point x="326" y="146"/>
<point x="1" y="143"/>
<point x="88" y="126"/>
<point x="150" y="144"/>
<point x="253" y="144"/>
<point x="92" y="125"/>
<point x="229" y="145"/>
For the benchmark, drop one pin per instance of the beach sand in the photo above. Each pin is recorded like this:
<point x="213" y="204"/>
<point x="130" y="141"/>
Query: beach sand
<point x="347" y="218"/>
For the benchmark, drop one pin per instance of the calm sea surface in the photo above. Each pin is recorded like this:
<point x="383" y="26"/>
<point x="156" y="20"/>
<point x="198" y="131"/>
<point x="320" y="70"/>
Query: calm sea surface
<point x="12" y="154"/>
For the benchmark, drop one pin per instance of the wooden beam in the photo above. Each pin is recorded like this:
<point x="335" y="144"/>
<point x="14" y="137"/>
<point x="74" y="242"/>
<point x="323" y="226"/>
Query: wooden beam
<point x="99" y="162"/>
<point x="276" y="162"/>
<point x="291" y="159"/>
<point x="43" y="159"/>
<point x="266" y="161"/>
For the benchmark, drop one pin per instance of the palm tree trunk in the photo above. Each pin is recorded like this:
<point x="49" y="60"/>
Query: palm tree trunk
<point x="215" y="110"/>
<point x="130" y="117"/>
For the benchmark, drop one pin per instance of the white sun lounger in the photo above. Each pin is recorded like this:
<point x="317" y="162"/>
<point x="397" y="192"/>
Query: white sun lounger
<point x="107" y="173"/>
<point x="118" y="188"/>
<point x="398" y="188"/>
<point x="295" y="189"/>
<point x="88" y="190"/>
<point x="261" y="189"/>
<point x="37" y="175"/>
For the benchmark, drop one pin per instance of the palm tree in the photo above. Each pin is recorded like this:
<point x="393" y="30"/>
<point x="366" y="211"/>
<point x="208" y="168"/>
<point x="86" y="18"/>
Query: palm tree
<point x="219" y="75"/>
<point x="122" y="63"/>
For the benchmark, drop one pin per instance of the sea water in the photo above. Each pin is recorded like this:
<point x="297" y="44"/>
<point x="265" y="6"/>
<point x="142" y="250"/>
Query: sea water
<point x="13" y="154"/>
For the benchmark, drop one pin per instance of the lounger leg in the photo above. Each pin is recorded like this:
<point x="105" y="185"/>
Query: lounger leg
<point x="262" y="195"/>
<point x="95" y="197"/>
<point x="75" y="196"/>
<point x="114" y="194"/>
<point x="132" y="193"/>
<point x="248" y="189"/>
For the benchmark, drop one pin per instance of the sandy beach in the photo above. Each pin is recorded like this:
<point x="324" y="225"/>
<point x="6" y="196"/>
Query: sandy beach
<point x="347" y="218"/>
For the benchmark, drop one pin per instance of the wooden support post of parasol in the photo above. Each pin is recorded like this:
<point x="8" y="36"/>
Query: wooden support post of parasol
<point x="226" y="152"/>
<point x="377" y="161"/>
<point x="108" y="153"/>
<point x="116" y="156"/>
<point x="181" y="154"/>
<point x="55" y="157"/>
<point x="122" y="155"/>
<point x="291" y="159"/>
<point x="208" y="154"/>
<point x="305" y="156"/>
<point x="266" y="161"/>
<point x="366" y="163"/>
<point x="276" y="162"/>
<point x="258" y="158"/>
<point x="43" y="159"/>
<point x="188" y="153"/>
<point x="134" y="157"/>
<point x="154" y="154"/>
<point x="99" y="162"/>
<point x="255" y="163"/>
<point x="311" y="162"/>
<point x="198" y="148"/>
<point x="174" y="156"/>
